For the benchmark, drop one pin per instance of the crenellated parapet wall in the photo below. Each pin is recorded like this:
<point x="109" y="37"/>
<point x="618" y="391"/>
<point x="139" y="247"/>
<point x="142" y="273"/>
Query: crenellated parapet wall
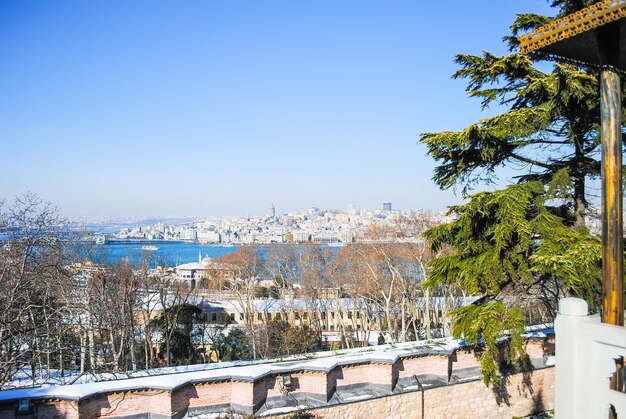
<point x="369" y="375"/>
<point x="521" y="396"/>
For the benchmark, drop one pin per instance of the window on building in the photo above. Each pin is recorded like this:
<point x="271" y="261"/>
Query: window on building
<point x="232" y="317"/>
<point x="323" y="315"/>
<point x="332" y="328"/>
<point x="213" y="317"/>
<point x="241" y="316"/>
<point x="349" y="315"/>
<point x="269" y="316"/>
<point x="305" y="315"/>
<point x="332" y="315"/>
<point x="278" y="316"/>
<point x="297" y="315"/>
<point x="259" y="316"/>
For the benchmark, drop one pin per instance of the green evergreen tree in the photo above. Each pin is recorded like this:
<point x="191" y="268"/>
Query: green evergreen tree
<point x="550" y="128"/>
<point x="526" y="245"/>
<point x="235" y="346"/>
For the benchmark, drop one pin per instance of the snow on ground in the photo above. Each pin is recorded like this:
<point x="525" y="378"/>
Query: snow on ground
<point x="415" y="387"/>
<point x="357" y="398"/>
<point x="214" y="416"/>
<point x="470" y="378"/>
<point x="279" y="410"/>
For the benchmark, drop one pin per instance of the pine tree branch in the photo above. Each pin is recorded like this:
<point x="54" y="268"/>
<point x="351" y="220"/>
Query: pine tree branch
<point x="531" y="161"/>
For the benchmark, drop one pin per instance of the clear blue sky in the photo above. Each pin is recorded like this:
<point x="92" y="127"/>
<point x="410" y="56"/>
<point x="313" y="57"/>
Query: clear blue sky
<point x="223" y="107"/>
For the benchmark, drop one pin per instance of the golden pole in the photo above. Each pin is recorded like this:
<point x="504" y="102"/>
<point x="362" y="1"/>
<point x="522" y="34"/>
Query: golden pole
<point x="612" y="235"/>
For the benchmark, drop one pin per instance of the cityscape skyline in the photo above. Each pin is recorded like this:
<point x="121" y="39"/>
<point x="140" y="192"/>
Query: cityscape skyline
<point x="220" y="108"/>
<point x="137" y="219"/>
<point x="313" y="225"/>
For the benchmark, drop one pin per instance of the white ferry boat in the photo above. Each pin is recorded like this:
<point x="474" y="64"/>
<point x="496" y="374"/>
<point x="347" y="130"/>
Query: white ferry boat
<point x="149" y="248"/>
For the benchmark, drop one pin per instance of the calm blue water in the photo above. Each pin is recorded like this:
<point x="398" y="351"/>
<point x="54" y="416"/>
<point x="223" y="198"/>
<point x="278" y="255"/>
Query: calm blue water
<point x="169" y="254"/>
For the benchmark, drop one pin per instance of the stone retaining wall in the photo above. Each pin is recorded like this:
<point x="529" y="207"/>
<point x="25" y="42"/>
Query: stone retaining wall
<point x="464" y="400"/>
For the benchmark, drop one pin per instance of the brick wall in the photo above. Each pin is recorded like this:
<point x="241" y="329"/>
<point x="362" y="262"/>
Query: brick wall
<point x="242" y="393"/>
<point x="218" y="393"/>
<point x="465" y="400"/>
<point x="429" y="364"/>
<point x="183" y="397"/>
<point x="48" y="410"/>
<point x="352" y="374"/>
<point x="465" y="358"/>
<point x="267" y="387"/>
<point x="63" y="409"/>
<point x="380" y="374"/>
<point x="534" y="349"/>
<point x="312" y="382"/>
<point x="127" y="403"/>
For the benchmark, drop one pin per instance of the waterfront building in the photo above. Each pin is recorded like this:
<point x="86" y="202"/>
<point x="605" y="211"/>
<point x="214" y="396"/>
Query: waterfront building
<point x="208" y="236"/>
<point x="324" y="239"/>
<point x="346" y="236"/>
<point x="205" y="271"/>
<point x="190" y="234"/>
<point x="301" y="236"/>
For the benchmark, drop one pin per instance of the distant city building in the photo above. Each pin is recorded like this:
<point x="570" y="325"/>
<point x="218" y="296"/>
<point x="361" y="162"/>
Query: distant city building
<point x="324" y="239"/>
<point x="271" y="212"/>
<point x="346" y="236"/>
<point x="190" y="234"/>
<point x="208" y="236"/>
<point x="386" y="206"/>
<point x="301" y="236"/>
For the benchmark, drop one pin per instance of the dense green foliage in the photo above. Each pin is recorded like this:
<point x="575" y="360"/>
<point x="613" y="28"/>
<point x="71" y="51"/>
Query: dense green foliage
<point x="526" y="245"/>
<point x="511" y="249"/>
<point x="234" y="346"/>
<point x="182" y="351"/>
<point x="551" y="124"/>
<point x="510" y="237"/>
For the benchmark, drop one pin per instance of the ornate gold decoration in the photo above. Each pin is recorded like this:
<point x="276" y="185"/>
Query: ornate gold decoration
<point x="583" y="20"/>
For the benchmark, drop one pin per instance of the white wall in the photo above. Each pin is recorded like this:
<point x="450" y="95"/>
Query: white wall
<point x="585" y="353"/>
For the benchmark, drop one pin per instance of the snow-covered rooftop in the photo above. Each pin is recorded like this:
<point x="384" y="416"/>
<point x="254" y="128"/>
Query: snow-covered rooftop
<point x="302" y="304"/>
